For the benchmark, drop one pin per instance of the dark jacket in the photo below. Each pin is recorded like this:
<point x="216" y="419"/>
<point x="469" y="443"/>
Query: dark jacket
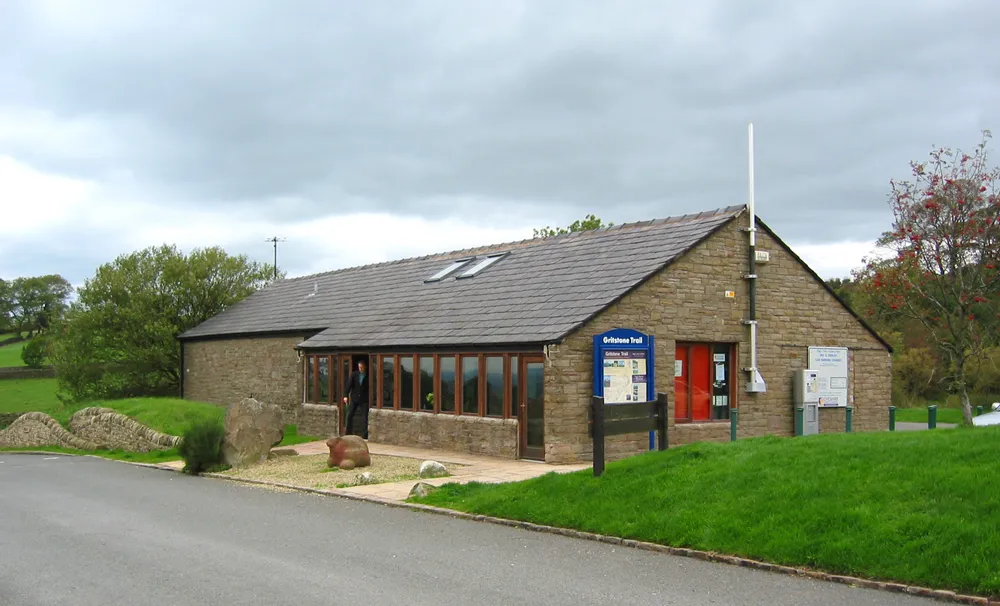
<point x="357" y="390"/>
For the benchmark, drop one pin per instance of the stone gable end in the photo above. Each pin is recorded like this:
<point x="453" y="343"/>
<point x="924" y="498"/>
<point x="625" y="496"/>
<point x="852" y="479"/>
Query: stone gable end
<point x="224" y="371"/>
<point x="687" y="302"/>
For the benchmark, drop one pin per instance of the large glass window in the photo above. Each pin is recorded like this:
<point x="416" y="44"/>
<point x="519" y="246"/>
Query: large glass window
<point x="446" y="365"/>
<point x="470" y="385"/>
<point x="406" y="382"/>
<point x="515" y="391"/>
<point x="426" y="383"/>
<point x="494" y="386"/>
<point x="310" y="379"/>
<point x="487" y="384"/>
<point x="323" y="373"/>
<point x="388" y="381"/>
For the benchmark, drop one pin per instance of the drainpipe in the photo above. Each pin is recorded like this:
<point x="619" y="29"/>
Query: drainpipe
<point x="756" y="382"/>
<point x="182" y="368"/>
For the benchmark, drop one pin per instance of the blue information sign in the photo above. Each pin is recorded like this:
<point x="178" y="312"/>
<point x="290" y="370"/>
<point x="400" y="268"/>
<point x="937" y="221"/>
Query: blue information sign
<point x="624" y="368"/>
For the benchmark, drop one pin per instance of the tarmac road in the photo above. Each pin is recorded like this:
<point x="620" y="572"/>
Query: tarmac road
<point x="82" y="531"/>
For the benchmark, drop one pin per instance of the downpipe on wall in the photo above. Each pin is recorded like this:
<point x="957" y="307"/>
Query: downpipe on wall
<point x="756" y="383"/>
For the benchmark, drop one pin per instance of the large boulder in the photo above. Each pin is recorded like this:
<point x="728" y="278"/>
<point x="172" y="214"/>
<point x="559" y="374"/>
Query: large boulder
<point x="252" y="428"/>
<point x="348" y="452"/>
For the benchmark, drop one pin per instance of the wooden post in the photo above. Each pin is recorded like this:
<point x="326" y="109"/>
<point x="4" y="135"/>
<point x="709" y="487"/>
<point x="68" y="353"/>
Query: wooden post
<point x="661" y="419"/>
<point x="598" y="408"/>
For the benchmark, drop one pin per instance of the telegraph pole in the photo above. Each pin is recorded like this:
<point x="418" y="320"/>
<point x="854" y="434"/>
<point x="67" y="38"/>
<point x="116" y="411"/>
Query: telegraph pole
<point x="274" y="240"/>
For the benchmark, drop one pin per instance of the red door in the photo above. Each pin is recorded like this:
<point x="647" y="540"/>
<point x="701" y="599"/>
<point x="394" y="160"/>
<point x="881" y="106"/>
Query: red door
<point x="693" y="382"/>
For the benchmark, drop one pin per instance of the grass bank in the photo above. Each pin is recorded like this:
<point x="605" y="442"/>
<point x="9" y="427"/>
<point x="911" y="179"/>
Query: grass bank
<point x="168" y="415"/>
<point x="914" y="507"/>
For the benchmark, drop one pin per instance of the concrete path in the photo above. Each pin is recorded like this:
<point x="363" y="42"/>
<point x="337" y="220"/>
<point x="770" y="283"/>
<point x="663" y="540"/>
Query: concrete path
<point x="905" y="426"/>
<point x="86" y="531"/>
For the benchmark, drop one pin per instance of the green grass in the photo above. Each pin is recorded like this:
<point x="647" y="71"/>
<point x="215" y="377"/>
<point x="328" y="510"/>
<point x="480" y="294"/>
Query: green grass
<point x="27" y="395"/>
<point x="913" y="507"/>
<point x="10" y="355"/>
<point x="156" y="456"/>
<point x="169" y="415"/>
<point x="919" y="415"/>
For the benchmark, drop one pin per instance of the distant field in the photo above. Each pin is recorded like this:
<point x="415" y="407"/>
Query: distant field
<point x="10" y="355"/>
<point x="27" y="395"/>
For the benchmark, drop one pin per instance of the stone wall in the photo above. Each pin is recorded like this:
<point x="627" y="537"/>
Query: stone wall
<point x="227" y="370"/>
<point x="22" y="372"/>
<point x="687" y="302"/>
<point x="461" y="433"/>
<point x="90" y="429"/>
<point x="109" y="428"/>
<point x="39" y="429"/>
<point x="319" y="420"/>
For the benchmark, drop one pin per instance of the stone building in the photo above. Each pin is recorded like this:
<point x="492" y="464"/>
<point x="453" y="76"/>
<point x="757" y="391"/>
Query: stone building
<point x="491" y="350"/>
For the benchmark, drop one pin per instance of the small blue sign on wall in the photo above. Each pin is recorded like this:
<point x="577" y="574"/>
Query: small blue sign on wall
<point x="624" y="368"/>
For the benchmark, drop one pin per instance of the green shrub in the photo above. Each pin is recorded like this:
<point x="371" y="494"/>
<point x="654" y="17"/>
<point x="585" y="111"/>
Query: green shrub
<point x="201" y="447"/>
<point x="34" y="352"/>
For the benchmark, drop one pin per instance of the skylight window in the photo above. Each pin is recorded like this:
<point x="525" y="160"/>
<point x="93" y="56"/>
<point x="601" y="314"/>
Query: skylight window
<point x="455" y="265"/>
<point x="478" y="267"/>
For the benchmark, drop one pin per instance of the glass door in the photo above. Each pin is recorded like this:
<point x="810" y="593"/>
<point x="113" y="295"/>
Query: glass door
<point x="531" y="419"/>
<point x="344" y="361"/>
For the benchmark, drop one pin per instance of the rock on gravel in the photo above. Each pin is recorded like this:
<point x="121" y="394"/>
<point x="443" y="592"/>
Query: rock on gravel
<point x="310" y="471"/>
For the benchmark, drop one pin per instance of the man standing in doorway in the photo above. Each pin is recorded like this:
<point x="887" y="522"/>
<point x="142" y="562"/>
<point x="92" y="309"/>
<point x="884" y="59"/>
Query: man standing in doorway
<point x="358" y="393"/>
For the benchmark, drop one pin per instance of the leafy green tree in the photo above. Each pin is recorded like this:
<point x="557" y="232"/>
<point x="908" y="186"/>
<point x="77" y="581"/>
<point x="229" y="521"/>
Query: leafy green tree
<point x="944" y="273"/>
<point x="119" y="338"/>
<point x="34" y="352"/>
<point x="6" y="306"/>
<point x="32" y="304"/>
<point x="587" y="223"/>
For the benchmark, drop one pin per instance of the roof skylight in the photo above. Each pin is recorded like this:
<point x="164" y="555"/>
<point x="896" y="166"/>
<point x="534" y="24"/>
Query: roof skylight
<point x="447" y="271"/>
<point x="483" y="264"/>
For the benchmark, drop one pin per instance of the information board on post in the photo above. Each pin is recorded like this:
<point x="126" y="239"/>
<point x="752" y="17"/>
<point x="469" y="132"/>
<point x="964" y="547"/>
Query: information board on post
<point x="624" y="368"/>
<point x="831" y="365"/>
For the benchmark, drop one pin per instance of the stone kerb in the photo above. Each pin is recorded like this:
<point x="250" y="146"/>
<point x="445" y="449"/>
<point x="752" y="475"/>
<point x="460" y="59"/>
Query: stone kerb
<point x="107" y="426"/>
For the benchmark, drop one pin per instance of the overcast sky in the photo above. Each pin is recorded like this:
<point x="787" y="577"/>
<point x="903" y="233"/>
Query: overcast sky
<point x="368" y="131"/>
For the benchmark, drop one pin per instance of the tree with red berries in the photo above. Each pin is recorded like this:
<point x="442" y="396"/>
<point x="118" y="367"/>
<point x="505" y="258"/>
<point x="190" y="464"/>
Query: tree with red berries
<point x="945" y="253"/>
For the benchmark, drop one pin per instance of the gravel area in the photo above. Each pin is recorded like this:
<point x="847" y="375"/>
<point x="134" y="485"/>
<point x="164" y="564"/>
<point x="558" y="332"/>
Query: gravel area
<point x="311" y="471"/>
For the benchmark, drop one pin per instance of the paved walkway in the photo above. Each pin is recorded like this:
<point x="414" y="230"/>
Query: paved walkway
<point x="475" y="468"/>
<point x="906" y="426"/>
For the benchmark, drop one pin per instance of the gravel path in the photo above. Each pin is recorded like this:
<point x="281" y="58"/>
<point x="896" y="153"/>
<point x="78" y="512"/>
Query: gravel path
<point x="311" y="471"/>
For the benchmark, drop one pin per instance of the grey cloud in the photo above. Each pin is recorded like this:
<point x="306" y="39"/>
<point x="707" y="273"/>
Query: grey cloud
<point x="629" y="110"/>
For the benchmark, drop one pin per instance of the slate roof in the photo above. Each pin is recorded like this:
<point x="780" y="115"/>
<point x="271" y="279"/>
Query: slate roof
<point x="542" y="290"/>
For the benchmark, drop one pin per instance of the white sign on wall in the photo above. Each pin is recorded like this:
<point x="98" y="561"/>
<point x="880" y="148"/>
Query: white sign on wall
<point x="831" y="365"/>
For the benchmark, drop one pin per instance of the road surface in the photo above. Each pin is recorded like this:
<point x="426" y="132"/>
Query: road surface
<point x="82" y="531"/>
